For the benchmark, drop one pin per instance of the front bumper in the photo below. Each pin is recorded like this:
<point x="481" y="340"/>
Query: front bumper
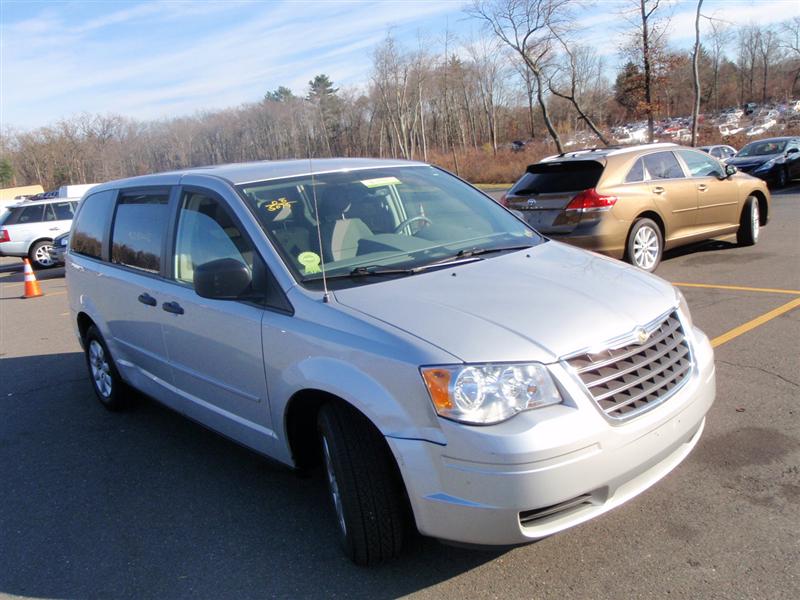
<point x="547" y="470"/>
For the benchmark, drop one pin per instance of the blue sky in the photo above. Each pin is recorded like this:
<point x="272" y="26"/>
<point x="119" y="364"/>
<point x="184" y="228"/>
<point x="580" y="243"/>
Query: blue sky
<point x="163" y="58"/>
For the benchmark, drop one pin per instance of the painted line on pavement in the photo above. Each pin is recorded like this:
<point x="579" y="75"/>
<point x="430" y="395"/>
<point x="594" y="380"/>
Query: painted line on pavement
<point x="757" y="322"/>
<point x="739" y="288"/>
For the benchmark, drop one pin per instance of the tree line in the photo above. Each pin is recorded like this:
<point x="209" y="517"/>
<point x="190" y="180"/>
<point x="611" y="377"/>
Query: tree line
<point x="528" y="77"/>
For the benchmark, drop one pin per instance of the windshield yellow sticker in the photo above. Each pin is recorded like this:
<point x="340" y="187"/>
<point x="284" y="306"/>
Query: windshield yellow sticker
<point x="278" y="204"/>
<point x="380" y="181"/>
<point x="310" y="260"/>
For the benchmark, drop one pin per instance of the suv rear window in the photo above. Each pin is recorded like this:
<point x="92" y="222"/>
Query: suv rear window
<point x="554" y="177"/>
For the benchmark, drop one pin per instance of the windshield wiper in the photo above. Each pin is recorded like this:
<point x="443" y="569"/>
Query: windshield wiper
<point x="478" y="251"/>
<point x="368" y="271"/>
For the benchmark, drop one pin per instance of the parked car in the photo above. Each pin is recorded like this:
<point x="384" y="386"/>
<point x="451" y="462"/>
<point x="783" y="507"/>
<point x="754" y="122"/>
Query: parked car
<point x="58" y="250"/>
<point x="721" y="151"/>
<point x="29" y="227"/>
<point x="776" y="160"/>
<point x="442" y="360"/>
<point x="633" y="203"/>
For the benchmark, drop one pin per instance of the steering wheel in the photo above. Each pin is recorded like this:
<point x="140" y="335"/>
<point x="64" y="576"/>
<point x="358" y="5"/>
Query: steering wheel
<point x="408" y="222"/>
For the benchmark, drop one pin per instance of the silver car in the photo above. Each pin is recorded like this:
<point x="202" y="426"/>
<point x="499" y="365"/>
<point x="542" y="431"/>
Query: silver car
<point x="27" y="229"/>
<point x="445" y="363"/>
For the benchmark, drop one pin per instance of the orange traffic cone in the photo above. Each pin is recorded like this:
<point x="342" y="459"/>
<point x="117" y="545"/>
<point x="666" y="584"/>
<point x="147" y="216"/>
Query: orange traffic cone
<point x="32" y="289"/>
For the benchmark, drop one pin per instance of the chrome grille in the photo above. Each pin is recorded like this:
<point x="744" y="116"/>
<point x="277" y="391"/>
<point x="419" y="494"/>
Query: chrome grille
<point x="629" y="380"/>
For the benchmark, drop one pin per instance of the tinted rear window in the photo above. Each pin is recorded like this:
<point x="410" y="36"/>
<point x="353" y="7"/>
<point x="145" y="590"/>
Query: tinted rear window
<point x="89" y="229"/>
<point x="550" y="178"/>
<point x="25" y="214"/>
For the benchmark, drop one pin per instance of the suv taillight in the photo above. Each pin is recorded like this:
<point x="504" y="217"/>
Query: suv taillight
<point x="590" y="200"/>
<point x="4" y="237"/>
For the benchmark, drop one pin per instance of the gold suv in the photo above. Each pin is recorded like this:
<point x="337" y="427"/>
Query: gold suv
<point x="635" y="202"/>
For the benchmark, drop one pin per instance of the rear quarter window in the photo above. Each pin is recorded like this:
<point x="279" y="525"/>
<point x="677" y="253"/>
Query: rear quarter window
<point x="89" y="228"/>
<point x="25" y="214"/>
<point x="555" y="177"/>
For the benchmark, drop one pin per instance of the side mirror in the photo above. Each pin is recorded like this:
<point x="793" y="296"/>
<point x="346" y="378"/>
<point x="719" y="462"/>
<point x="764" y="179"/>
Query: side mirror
<point x="792" y="150"/>
<point x="730" y="170"/>
<point x="222" y="279"/>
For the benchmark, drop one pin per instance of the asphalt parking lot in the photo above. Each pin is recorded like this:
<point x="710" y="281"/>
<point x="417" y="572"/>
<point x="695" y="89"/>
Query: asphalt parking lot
<point x="146" y="504"/>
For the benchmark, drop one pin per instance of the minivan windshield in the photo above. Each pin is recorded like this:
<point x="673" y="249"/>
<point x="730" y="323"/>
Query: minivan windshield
<point x="390" y="221"/>
<point x="763" y="148"/>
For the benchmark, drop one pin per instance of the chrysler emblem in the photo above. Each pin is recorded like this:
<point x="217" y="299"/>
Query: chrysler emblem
<point x="642" y="335"/>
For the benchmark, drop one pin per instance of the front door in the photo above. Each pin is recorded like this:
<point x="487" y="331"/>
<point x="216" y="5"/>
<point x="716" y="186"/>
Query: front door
<point x="214" y="346"/>
<point x="717" y="195"/>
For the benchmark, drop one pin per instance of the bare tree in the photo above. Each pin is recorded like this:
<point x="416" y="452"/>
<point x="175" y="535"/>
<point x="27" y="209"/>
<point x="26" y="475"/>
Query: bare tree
<point x="696" y="72"/>
<point x="579" y="67"/>
<point x="526" y="26"/>
<point x="790" y="41"/>
<point x="650" y="25"/>
<point x="767" y="47"/>
<point x="719" y="37"/>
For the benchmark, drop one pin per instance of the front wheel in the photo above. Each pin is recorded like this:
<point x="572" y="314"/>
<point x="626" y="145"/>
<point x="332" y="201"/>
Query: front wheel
<point x="40" y="255"/>
<point x="749" y="224"/>
<point x="645" y="245"/>
<point x="364" y="485"/>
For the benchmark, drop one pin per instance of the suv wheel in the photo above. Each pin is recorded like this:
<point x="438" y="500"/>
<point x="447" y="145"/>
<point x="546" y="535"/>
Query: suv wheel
<point x="40" y="255"/>
<point x="365" y="490"/>
<point x="750" y="223"/>
<point x="645" y="245"/>
<point x="106" y="382"/>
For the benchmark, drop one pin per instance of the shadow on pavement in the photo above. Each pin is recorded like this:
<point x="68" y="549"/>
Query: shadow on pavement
<point x="148" y="504"/>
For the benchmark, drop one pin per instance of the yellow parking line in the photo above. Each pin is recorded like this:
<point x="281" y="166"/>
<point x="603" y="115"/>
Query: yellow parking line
<point x="739" y="288"/>
<point x="758" y="321"/>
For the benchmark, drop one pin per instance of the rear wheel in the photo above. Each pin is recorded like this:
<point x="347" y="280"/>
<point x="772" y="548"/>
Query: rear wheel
<point x="364" y="485"/>
<point x="40" y="255"/>
<point x="106" y="382"/>
<point x="645" y="245"/>
<point x="750" y="223"/>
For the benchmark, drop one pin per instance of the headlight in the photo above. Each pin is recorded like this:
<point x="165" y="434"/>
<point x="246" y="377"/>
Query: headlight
<point x="64" y="242"/>
<point x="684" y="308"/>
<point x="486" y="394"/>
<point x="767" y="165"/>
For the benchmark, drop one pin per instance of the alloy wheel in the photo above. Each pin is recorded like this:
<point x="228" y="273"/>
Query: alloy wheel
<point x="333" y="486"/>
<point x="42" y="256"/>
<point x="101" y="370"/>
<point x="645" y="248"/>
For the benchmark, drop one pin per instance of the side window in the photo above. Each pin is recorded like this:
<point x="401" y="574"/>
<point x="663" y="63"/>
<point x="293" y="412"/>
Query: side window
<point x="49" y="213"/>
<point x="140" y="224"/>
<point x="636" y="173"/>
<point x="206" y="232"/>
<point x="663" y="165"/>
<point x="701" y="165"/>
<point x="90" y="226"/>
<point x="31" y="214"/>
<point x="716" y="152"/>
<point x="64" y="210"/>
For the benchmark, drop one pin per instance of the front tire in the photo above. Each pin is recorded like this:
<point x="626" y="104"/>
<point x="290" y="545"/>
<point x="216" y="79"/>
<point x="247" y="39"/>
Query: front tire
<point x="645" y="245"/>
<point x="40" y="255"/>
<point x="106" y="382"/>
<point x="364" y="485"/>
<point x="750" y="223"/>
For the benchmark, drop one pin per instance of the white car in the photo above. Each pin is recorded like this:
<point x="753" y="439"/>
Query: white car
<point x="27" y="229"/>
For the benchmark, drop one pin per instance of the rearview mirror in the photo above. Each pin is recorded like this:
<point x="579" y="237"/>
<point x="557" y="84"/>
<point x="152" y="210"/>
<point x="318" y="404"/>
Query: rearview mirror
<point x="730" y="170"/>
<point x="222" y="279"/>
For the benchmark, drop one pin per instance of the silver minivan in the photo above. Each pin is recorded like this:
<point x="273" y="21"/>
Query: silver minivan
<point x="449" y="367"/>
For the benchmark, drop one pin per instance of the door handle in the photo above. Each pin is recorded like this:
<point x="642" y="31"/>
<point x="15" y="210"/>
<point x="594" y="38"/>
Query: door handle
<point x="54" y="228"/>
<point x="658" y="190"/>
<point x="147" y="299"/>
<point x="702" y="187"/>
<point x="172" y="307"/>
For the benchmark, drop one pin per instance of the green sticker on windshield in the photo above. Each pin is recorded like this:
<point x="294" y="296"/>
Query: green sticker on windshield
<point x="310" y="260"/>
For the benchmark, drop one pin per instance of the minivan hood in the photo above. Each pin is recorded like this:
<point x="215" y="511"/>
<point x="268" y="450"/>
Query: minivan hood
<point x="532" y="305"/>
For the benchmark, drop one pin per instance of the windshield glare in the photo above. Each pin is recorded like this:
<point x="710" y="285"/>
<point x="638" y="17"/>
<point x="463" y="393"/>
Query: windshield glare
<point x="762" y="148"/>
<point x="394" y="217"/>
